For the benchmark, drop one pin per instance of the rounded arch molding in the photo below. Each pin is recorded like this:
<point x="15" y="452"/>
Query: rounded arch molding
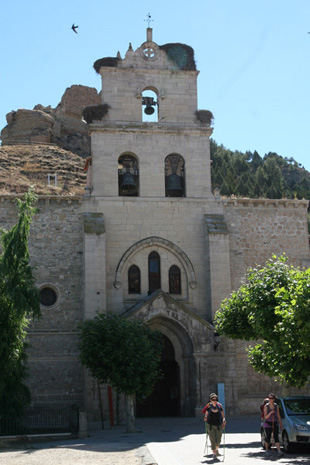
<point x="184" y="350"/>
<point x="160" y="92"/>
<point x="160" y="242"/>
<point x="179" y="335"/>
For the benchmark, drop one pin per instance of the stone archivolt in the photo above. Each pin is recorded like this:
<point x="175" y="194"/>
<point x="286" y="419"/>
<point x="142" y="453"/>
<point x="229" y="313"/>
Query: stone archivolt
<point x="160" y="242"/>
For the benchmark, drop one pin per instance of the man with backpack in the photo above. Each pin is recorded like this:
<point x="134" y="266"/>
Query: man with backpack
<point x="215" y="419"/>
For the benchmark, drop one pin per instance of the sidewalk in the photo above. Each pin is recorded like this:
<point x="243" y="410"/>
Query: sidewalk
<point x="111" y="446"/>
<point x="173" y="441"/>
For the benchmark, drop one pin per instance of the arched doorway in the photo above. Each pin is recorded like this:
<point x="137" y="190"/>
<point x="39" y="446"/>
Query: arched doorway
<point x="165" y="399"/>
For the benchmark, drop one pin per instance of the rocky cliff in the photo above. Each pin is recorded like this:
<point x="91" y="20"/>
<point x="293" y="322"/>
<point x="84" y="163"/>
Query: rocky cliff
<point x="62" y="126"/>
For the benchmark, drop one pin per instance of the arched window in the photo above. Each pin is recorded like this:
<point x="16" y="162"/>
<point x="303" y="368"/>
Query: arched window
<point x="134" y="280"/>
<point x="149" y="106"/>
<point x="128" y="176"/>
<point x="154" y="272"/>
<point x="174" y="176"/>
<point x="174" y="280"/>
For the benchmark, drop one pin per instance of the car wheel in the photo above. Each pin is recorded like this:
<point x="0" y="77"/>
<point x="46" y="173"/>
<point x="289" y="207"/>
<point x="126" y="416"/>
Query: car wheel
<point x="287" y="445"/>
<point x="263" y="437"/>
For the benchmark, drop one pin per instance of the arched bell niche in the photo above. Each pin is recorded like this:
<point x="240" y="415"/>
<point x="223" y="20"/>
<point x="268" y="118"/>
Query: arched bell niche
<point x="149" y="106"/>
<point x="128" y="175"/>
<point x="174" y="175"/>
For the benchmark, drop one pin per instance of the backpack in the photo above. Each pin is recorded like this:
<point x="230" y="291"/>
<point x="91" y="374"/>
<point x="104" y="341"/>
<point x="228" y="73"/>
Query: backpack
<point x="262" y="405"/>
<point x="214" y="418"/>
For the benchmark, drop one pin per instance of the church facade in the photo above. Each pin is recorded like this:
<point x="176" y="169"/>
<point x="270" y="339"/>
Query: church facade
<point x="150" y="240"/>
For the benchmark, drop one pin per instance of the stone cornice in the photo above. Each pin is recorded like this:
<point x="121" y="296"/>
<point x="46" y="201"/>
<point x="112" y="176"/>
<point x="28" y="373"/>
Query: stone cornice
<point x="276" y="203"/>
<point x="45" y="198"/>
<point x="153" y="128"/>
<point x="112" y="69"/>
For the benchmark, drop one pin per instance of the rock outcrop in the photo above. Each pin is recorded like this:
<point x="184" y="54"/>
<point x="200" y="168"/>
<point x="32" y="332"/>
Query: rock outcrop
<point x="27" y="126"/>
<point x="62" y="125"/>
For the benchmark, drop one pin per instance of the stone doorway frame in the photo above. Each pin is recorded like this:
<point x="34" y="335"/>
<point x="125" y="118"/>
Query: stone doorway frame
<point x="184" y="356"/>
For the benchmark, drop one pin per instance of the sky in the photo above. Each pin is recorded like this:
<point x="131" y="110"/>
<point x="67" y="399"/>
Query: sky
<point x="253" y="57"/>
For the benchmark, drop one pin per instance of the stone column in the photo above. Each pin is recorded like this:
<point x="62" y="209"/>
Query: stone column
<point x="217" y="256"/>
<point x="95" y="266"/>
<point x="82" y="425"/>
<point x="202" y="388"/>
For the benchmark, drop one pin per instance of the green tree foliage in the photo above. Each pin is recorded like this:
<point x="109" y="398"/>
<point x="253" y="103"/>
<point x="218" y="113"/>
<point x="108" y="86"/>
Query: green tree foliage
<point x="273" y="185"/>
<point x="250" y="175"/>
<point x="272" y="307"/>
<point x="125" y="353"/>
<point x="19" y="301"/>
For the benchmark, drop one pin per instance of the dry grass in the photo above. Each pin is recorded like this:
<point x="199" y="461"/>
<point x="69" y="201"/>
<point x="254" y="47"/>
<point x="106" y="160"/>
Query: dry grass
<point x="22" y="166"/>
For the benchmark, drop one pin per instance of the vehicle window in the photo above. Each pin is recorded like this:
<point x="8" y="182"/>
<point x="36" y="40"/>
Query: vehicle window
<point x="297" y="406"/>
<point x="281" y="409"/>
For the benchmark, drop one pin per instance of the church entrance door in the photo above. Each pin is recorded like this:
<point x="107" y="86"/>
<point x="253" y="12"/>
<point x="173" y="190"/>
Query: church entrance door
<point x="165" y="399"/>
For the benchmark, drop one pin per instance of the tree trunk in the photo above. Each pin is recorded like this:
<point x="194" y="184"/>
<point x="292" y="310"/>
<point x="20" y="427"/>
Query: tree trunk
<point x="286" y="390"/>
<point x="130" y="414"/>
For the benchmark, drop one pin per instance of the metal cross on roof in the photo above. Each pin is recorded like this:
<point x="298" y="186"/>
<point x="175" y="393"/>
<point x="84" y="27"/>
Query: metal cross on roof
<point x="149" y="20"/>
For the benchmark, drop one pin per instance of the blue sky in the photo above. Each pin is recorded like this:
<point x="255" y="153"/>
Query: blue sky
<point x="253" y="57"/>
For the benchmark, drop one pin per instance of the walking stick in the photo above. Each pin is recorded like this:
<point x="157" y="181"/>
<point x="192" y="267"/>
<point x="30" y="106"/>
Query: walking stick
<point x="224" y="445"/>
<point x="206" y="444"/>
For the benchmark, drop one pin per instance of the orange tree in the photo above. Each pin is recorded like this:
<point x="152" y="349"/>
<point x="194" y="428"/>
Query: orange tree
<point x="125" y="353"/>
<point x="273" y="308"/>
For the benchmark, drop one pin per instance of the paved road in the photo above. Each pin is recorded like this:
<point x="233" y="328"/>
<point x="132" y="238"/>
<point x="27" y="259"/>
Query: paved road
<point x="165" y="441"/>
<point x="184" y="444"/>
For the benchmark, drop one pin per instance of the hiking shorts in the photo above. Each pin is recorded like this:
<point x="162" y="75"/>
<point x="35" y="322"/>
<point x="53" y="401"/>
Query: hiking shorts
<point x="215" y="435"/>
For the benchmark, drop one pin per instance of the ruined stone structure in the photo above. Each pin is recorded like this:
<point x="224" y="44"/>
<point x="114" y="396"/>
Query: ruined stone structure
<point x="149" y="240"/>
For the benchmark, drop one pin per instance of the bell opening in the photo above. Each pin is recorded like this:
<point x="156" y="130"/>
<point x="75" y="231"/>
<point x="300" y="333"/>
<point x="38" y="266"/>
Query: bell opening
<point x="174" y="176"/>
<point x="128" y="176"/>
<point x="149" y="106"/>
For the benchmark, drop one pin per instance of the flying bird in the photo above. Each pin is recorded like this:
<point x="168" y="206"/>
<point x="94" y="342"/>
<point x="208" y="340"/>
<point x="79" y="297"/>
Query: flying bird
<point x="73" y="27"/>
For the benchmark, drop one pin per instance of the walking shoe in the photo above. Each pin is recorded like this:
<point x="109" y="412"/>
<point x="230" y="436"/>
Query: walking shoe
<point x="267" y="453"/>
<point x="280" y="453"/>
<point x="217" y="453"/>
<point x="214" y="457"/>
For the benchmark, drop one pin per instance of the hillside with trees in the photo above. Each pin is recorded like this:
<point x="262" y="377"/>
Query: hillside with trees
<point x="250" y="175"/>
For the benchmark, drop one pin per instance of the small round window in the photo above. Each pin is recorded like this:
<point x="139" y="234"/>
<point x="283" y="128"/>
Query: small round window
<point x="48" y="296"/>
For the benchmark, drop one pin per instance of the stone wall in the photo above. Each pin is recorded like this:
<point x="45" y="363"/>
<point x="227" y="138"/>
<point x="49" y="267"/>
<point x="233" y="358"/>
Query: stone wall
<point x="259" y="229"/>
<point x="56" y="251"/>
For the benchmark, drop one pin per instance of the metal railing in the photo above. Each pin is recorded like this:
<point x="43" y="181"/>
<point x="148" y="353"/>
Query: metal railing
<point x="42" y="420"/>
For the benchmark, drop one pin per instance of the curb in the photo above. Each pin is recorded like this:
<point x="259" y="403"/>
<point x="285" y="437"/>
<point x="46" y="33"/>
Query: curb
<point x="146" y="456"/>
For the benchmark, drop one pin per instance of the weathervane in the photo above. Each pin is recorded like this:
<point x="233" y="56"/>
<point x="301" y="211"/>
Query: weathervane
<point x="148" y="20"/>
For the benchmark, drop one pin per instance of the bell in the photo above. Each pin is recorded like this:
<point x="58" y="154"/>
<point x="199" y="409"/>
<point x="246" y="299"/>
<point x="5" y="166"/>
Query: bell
<point x="149" y="110"/>
<point x="128" y="182"/>
<point x="174" y="187"/>
<point x="149" y="104"/>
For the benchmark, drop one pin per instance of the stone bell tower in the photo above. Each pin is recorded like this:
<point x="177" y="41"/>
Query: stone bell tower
<point x="149" y="247"/>
<point x="169" y="73"/>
